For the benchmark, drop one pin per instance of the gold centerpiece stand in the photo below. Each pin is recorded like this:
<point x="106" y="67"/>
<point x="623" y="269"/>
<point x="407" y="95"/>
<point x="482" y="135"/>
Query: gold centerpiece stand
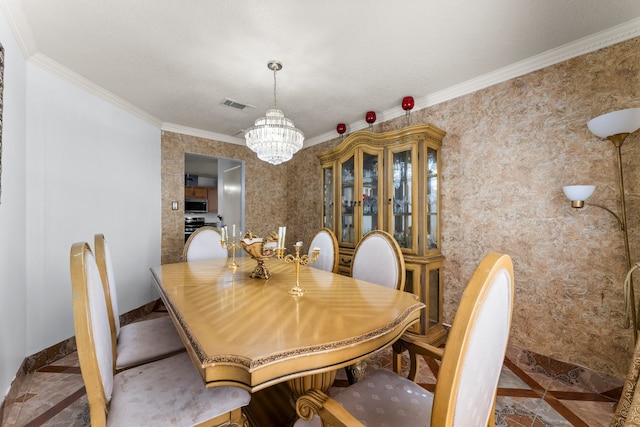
<point x="260" y="250"/>
<point x="263" y="249"/>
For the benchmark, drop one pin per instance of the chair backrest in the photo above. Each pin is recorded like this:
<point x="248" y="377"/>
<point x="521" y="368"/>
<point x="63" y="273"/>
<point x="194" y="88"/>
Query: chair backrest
<point x="329" y="252"/>
<point x="378" y="259"/>
<point x="105" y="267"/>
<point x="474" y="354"/>
<point x="204" y="243"/>
<point x="93" y="333"/>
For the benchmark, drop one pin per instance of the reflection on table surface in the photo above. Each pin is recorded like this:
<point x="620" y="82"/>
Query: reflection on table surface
<point x="252" y="333"/>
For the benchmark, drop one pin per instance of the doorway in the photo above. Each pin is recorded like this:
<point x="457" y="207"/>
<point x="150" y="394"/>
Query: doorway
<point x="227" y="177"/>
<point x="232" y="196"/>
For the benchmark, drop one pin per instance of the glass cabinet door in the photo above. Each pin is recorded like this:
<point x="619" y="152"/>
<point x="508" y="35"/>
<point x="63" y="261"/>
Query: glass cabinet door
<point x="370" y="220"/>
<point x="433" y="221"/>
<point x="412" y="286"/>
<point x="435" y="297"/>
<point x="347" y="189"/>
<point x="327" y="204"/>
<point x="401" y="198"/>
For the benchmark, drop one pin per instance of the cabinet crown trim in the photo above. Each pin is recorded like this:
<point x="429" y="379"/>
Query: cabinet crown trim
<point x="428" y="131"/>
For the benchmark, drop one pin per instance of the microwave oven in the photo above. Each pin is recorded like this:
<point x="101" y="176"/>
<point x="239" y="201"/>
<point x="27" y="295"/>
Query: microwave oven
<point x="196" y="205"/>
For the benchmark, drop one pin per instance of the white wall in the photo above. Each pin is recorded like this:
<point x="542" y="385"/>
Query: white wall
<point x="13" y="336"/>
<point x="91" y="168"/>
<point x="73" y="165"/>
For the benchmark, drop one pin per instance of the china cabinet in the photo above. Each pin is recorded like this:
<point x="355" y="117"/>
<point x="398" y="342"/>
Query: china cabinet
<point x="390" y="181"/>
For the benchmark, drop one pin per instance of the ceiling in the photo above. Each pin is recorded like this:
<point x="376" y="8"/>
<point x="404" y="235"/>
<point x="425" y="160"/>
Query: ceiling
<point x="173" y="62"/>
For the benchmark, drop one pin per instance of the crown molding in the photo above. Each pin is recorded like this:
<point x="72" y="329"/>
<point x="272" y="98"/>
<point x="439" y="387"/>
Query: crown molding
<point x="75" y="78"/>
<point x="19" y="26"/>
<point x="591" y="43"/>
<point x="582" y="46"/>
<point x="171" y="127"/>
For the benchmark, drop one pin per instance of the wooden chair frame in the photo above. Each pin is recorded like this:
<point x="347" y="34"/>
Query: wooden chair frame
<point x="194" y="235"/>
<point x="160" y="328"/>
<point x="453" y="356"/>
<point x="397" y="251"/>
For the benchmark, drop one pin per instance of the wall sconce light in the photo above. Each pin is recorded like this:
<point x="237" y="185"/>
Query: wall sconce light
<point x="578" y="194"/>
<point x="615" y="127"/>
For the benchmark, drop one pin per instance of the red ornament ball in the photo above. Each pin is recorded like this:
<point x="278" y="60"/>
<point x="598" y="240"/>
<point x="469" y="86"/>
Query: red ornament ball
<point x="370" y="117"/>
<point x="407" y="103"/>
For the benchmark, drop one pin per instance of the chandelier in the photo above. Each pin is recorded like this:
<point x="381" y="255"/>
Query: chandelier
<point x="274" y="137"/>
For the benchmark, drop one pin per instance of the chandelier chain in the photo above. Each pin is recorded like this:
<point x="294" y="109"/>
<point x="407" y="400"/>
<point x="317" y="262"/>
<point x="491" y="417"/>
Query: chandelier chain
<point x="275" y="100"/>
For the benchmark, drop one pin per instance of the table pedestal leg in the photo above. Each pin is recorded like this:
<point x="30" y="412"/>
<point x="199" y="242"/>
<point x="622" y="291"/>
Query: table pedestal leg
<point x="323" y="381"/>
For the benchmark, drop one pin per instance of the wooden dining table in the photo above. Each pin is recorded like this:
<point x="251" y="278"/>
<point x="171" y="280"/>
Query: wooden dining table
<point x="252" y="333"/>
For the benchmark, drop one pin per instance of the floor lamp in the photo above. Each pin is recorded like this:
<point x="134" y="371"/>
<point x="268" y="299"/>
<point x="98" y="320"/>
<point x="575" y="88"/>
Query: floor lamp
<point x="615" y="127"/>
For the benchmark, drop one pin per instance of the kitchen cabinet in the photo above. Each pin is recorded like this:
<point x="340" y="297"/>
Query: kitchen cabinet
<point x="191" y="192"/>
<point x="390" y="181"/>
<point x="212" y="196"/>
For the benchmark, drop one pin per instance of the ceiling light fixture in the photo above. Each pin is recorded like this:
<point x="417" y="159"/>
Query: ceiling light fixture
<point x="274" y="137"/>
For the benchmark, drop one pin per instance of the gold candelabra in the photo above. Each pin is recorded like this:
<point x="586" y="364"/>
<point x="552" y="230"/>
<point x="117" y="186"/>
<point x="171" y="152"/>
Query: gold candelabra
<point x="230" y="246"/>
<point x="298" y="260"/>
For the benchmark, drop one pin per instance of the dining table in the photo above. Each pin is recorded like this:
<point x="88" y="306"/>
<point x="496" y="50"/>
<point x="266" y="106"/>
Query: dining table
<point x="252" y="333"/>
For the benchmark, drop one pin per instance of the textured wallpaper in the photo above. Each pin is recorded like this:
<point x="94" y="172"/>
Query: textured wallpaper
<point x="508" y="151"/>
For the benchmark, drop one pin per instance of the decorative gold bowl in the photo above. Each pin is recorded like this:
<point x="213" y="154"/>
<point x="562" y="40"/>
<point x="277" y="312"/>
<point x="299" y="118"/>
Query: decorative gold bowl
<point x="260" y="250"/>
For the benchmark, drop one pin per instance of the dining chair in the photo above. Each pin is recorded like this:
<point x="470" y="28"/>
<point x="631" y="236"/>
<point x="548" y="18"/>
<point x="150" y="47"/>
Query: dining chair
<point x="138" y="342"/>
<point x="326" y="241"/>
<point x="161" y="393"/>
<point x="378" y="259"/>
<point x="467" y="382"/>
<point x="204" y="243"/>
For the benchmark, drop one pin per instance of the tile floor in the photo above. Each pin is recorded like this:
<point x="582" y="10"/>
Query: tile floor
<point x="534" y="391"/>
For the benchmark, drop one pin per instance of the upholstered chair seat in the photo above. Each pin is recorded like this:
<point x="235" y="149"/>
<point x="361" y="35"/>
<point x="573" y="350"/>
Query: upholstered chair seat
<point x="383" y="399"/>
<point x="204" y="243"/>
<point x="386" y="399"/>
<point x="137" y="342"/>
<point x="467" y="381"/>
<point x="167" y="392"/>
<point x="146" y="340"/>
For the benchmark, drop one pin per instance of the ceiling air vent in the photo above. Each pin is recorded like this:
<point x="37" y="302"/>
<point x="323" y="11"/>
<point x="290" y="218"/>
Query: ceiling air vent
<point x="237" y="105"/>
